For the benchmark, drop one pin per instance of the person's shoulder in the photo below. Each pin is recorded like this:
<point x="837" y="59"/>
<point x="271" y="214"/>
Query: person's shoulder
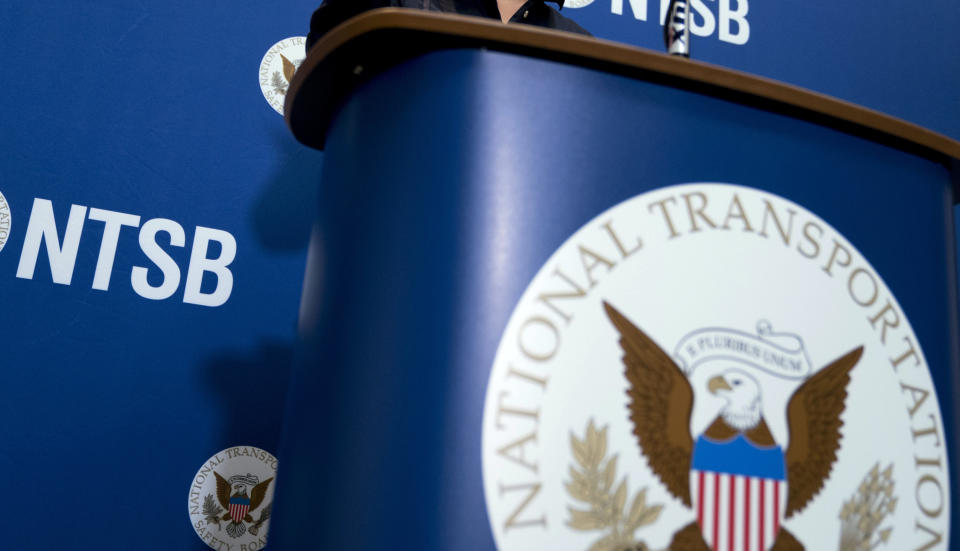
<point x="333" y="12"/>
<point x="562" y="23"/>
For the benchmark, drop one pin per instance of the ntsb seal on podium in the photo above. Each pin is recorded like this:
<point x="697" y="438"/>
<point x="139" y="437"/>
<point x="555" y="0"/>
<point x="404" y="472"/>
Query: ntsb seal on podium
<point x="712" y="367"/>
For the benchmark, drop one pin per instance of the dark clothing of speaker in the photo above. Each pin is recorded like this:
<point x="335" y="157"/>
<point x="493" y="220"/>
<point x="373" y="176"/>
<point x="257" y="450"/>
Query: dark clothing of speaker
<point x="535" y="12"/>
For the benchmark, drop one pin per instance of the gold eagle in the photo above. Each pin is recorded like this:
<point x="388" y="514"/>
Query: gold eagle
<point x="257" y="495"/>
<point x="661" y="404"/>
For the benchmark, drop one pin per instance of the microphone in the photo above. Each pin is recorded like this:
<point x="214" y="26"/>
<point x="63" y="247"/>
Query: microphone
<point x="676" y="29"/>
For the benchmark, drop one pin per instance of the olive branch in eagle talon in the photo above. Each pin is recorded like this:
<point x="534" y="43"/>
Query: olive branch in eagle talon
<point x="866" y="510"/>
<point x="592" y="482"/>
<point x="211" y="510"/>
<point x="279" y="85"/>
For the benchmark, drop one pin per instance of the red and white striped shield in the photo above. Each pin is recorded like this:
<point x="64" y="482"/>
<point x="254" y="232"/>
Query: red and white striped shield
<point x="239" y="507"/>
<point x="737" y="512"/>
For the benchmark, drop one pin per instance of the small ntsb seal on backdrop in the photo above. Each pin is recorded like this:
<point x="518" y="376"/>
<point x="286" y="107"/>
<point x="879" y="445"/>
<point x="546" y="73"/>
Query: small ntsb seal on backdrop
<point x="231" y="498"/>
<point x="5" y="221"/>
<point x="712" y="367"/>
<point x="277" y="68"/>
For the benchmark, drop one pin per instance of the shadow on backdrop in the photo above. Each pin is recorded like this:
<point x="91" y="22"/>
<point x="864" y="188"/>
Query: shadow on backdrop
<point x="283" y="214"/>
<point x="251" y="390"/>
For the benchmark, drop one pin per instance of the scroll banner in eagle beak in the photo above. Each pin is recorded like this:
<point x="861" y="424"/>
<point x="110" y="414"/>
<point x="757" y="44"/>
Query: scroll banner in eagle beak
<point x="780" y="354"/>
<point x="249" y="480"/>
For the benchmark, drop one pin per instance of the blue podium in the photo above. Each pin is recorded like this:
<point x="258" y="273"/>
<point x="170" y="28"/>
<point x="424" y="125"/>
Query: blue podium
<point x="545" y="265"/>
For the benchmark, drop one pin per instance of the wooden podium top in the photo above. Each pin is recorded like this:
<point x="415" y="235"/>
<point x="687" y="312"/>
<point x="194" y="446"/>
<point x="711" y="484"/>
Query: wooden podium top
<point x="376" y="40"/>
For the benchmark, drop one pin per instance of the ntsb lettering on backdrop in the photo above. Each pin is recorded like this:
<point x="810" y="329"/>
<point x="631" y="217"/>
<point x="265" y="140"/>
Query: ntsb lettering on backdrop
<point x="727" y="19"/>
<point x="209" y="279"/>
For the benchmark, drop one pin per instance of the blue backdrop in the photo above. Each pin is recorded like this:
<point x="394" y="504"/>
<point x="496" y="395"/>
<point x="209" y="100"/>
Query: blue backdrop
<point x="897" y="57"/>
<point x="111" y="401"/>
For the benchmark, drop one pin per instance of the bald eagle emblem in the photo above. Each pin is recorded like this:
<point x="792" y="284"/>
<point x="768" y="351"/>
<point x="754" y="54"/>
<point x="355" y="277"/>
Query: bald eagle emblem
<point x="737" y="479"/>
<point x="241" y="496"/>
